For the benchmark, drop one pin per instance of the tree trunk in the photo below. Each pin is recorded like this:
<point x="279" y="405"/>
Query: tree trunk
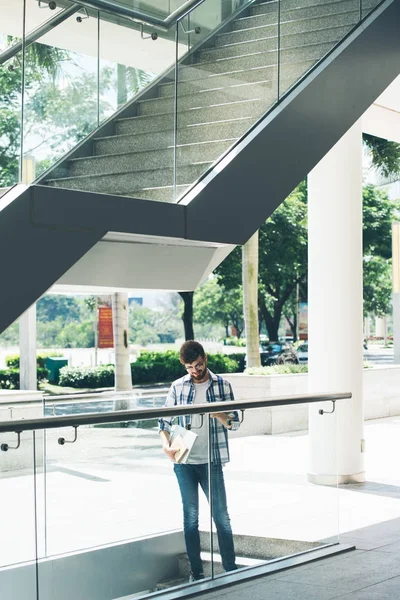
<point x="250" y="299"/>
<point x="270" y="323"/>
<point x="187" y="316"/>
<point x="123" y="374"/>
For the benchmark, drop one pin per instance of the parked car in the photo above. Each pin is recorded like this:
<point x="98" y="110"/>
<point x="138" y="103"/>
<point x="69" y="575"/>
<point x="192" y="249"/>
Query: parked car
<point x="277" y="353"/>
<point x="302" y="352"/>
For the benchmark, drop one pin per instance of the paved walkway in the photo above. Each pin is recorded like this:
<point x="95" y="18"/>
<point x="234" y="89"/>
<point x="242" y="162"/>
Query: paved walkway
<point x="372" y="572"/>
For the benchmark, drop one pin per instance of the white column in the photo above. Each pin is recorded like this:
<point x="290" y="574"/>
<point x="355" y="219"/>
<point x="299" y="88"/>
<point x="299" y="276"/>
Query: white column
<point x="380" y="326"/>
<point x="123" y="376"/>
<point x="396" y="291"/>
<point x="335" y="318"/>
<point x="27" y="350"/>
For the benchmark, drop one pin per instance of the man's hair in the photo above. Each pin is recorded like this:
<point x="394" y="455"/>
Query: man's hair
<point x="191" y="350"/>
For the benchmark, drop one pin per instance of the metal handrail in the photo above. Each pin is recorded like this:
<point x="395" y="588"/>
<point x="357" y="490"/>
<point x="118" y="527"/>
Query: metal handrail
<point x="107" y="6"/>
<point x="113" y="7"/>
<point x="153" y="413"/>
<point x="35" y="34"/>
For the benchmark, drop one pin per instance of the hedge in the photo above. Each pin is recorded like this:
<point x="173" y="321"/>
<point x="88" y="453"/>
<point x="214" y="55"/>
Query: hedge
<point x="87" y="377"/>
<point x="9" y="378"/>
<point x="12" y="360"/>
<point x="150" y="367"/>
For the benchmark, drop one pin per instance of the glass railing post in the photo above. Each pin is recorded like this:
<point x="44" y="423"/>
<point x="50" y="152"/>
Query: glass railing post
<point x="210" y="490"/>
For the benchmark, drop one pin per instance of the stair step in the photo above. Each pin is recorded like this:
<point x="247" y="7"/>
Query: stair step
<point x="151" y="159"/>
<point x="291" y="40"/>
<point x="268" y="7"/>
<point x="205" y="98"/>
<point x="217" y="112"/>
<point x="160" y="194"/>
<point x="289" y="13"/>
<point x="215" y="558"/>
<point x="123" y="184"/>
<point x="170" y="583"/>
<point x="218" y="130"/>
<point x="288" y="27"/>
<point x="264" y="59"/>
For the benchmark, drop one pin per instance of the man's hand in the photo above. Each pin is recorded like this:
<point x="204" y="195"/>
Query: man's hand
<point x="223" y="418"/>
<point x="170" y="452"/>
<point x="166" y="445"/>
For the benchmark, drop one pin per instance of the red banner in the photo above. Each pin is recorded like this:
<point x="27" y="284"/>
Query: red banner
<point x="105" y="327"/>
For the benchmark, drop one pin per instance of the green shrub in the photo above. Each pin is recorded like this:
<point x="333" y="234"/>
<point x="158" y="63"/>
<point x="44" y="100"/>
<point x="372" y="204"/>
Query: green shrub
<point x="87" y="377"/>
<point x="12" y="360"/>
<point x="150" y="367"/>
<point x="9" y="378"/>
<point x="240" y="359"/>
<point x="286" y="369"/>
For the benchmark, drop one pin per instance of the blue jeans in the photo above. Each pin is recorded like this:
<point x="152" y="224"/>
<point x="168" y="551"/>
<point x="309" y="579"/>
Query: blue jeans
<point x="189" y="477"/>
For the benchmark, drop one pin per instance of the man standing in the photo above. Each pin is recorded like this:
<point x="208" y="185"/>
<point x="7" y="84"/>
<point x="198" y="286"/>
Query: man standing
<point x="199" y="386"/>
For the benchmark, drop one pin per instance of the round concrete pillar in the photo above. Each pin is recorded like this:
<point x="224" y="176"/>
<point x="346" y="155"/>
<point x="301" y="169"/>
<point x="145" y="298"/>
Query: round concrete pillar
<point x="335" y="316"/>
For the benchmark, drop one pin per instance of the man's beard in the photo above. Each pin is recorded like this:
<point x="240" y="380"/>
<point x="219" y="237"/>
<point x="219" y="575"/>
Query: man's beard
<point x="201" y="376"/>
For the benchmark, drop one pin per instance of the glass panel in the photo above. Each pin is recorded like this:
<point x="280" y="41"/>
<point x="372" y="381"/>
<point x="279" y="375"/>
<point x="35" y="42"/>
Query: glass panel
<point x="10" y="96"/>
<point x="274" y="509"/>
<point x="307" y="33"/>
<point x="133" y="156"/>
<point x="17" y="514"/>
<point x="224" y="87"/>
<point x="156" y="8"/>
<point x="61" y="91"/>
<point x="113" y="507"/>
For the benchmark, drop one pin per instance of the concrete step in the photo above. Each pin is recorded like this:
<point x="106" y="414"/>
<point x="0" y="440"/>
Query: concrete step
<point x="200" y="76"/>
<point x="206" y="114"/>
<point x="290" y="40"/>
<point x="170" y="583"/>
<point x="160" y="194"/>
<point x="151" y="159"/>
<point x="268" y="7"/>
<point x="294" y="14"/>
<point x="269" y="58"/>
<point x="288" y="27"/>
<point x="260" y="548"/>
<point x="205" y="98"/>
<point x="219" y="88"/>
<point x="215" y="558"/>
<point x="124" y="184"/>
<point x="220" y="130"/>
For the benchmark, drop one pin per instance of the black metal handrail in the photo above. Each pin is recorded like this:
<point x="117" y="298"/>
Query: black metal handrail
<point x="153" y="413"/>
<point x="113" y="7"/>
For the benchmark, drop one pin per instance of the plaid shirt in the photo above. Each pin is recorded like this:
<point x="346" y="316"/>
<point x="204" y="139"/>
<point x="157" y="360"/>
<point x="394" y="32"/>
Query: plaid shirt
<point x="182" y="391"/>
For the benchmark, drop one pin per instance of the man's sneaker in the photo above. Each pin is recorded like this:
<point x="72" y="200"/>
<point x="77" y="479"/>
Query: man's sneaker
<point x="193" y="577"/>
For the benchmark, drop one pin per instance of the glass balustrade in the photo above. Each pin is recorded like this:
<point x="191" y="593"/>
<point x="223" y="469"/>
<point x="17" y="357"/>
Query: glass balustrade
<point x="151" y="108"/>
<point x="95" y="511"/>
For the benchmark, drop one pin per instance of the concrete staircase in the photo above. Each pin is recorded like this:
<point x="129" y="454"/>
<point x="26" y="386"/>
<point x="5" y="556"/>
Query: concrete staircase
<point x="223" y="88"/>
<point x="251" y="551"/>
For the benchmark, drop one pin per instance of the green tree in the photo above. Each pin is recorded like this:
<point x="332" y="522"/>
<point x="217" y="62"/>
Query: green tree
<point x="51" y="307"/>
<point x="385" y="155"/>
<point x="282" y="259"/>
<point x="213" y="303"/>
<point x="379" y="212"/>
<point x="377" y="276"/>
